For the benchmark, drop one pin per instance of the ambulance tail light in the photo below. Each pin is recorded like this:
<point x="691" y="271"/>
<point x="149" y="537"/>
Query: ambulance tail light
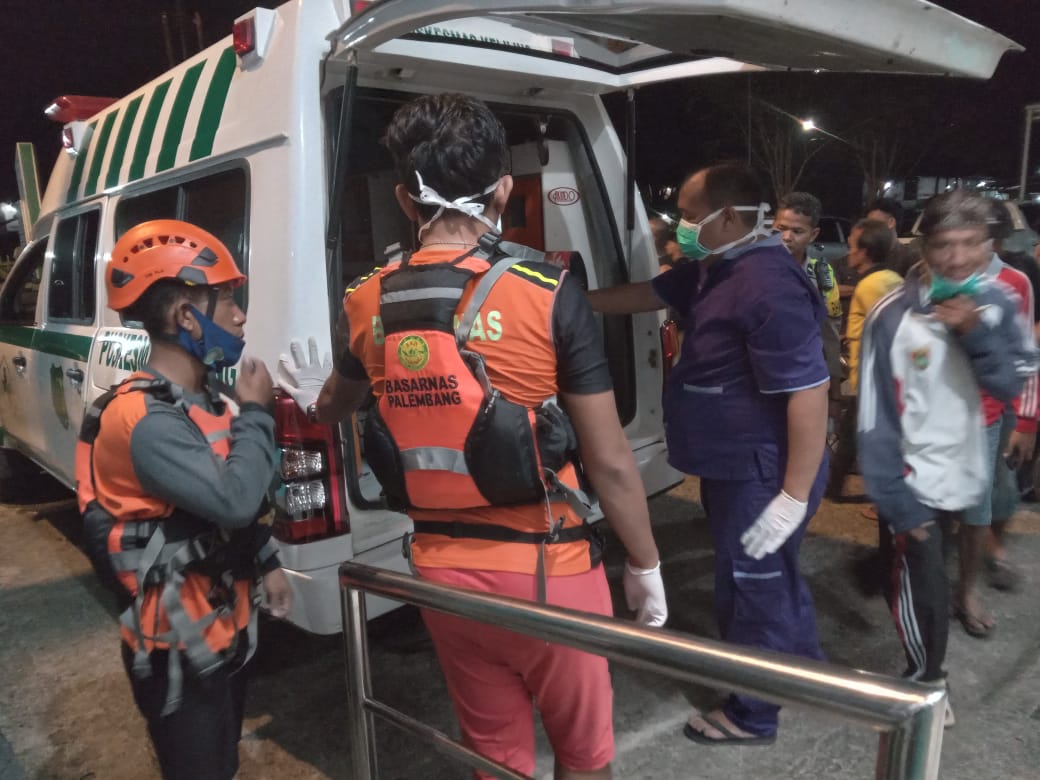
<point x="669" y="346"/>
<point x="359" y="6"/>
<point x="308" y="495"/>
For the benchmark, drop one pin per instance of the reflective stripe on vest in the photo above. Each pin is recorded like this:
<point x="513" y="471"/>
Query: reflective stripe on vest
<point x="434" y="458"/>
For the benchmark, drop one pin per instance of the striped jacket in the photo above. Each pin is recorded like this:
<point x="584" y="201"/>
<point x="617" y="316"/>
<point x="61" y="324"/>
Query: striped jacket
<point x="1025" y="403"/>
<point x="922" y="444"/>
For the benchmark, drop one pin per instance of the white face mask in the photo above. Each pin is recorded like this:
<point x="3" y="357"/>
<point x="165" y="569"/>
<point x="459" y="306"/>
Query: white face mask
<point x="430" y="197"/>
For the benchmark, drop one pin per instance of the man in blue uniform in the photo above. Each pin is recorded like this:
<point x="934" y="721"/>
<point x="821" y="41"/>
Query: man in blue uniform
<point x="746" y="411"/>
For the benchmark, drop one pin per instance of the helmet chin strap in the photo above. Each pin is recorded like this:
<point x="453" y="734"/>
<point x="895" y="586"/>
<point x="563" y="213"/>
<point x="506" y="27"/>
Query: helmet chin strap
<point x="213" y="295"/>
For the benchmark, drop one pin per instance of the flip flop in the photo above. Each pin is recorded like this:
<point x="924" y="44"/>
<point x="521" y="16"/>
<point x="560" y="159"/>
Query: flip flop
<point x="973" y="625"/>
<point x="729" y="737"/>
<point x="1002" y="575"/>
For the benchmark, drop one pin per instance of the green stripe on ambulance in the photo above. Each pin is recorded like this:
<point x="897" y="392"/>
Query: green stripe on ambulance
<point x="143" y="111"/>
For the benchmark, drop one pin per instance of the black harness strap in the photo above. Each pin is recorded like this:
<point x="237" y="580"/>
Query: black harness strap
<point x="500" y="533"/>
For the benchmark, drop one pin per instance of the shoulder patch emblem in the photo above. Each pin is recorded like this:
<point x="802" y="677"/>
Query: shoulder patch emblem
<point x="413" y="352"/>
<point x="920" y="358"/>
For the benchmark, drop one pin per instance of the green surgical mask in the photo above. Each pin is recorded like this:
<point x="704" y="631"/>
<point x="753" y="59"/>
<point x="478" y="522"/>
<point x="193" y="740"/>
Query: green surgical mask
<point x="942" y="289"/>
<point x="688" y="234"/>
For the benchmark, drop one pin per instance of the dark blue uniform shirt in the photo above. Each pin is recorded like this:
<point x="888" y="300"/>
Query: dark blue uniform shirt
<point x="752" y="336"/>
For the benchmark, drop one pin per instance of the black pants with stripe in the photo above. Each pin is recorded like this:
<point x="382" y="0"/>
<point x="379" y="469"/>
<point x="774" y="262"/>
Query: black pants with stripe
<point x="918" y="594"/>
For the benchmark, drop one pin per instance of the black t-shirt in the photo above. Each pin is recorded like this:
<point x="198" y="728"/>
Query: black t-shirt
<point x="581" y="364"/>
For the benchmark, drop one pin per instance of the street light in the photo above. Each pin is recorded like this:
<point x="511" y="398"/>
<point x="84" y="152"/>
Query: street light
<point x="809" y="125"/>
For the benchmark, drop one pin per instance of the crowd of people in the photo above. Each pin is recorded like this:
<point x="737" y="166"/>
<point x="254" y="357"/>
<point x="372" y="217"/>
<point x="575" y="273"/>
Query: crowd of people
<point x="935" y="400"/>
<point x="939" y="405"/>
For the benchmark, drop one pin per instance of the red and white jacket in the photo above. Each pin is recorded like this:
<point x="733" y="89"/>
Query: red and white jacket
<point x="1025" y="404"/>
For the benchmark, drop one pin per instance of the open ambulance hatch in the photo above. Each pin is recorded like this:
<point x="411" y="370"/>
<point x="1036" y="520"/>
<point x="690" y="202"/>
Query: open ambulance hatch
<point x="597" y="46"/>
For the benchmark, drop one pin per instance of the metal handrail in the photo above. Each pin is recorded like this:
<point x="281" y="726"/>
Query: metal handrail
<point x="909" y="715"/>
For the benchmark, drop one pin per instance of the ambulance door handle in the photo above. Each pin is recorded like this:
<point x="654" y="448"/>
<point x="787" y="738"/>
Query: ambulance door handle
<point x="75" y="374"/>
<point x="19" y="363"/>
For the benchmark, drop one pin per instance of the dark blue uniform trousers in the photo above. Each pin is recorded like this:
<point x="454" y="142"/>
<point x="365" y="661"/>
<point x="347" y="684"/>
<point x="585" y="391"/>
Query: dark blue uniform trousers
<point x="762" y="603"/>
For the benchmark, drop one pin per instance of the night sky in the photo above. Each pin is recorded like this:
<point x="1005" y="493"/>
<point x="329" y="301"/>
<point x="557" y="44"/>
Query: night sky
<point x="110" y="47"/>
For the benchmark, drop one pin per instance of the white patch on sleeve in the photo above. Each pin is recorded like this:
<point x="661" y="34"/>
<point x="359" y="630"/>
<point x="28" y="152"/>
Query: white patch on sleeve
<point x="991" y="315"/>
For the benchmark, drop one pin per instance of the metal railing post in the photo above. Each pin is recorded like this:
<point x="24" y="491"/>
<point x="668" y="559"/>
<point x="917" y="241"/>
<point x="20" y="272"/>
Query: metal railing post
<point x="359" y="684"/>
<point x="913" y="750"/>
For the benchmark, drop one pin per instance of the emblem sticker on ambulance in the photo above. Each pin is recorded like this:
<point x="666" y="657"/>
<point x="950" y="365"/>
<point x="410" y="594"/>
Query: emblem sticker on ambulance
<point x="563" y="196"/>
<point x="413" y="352"/>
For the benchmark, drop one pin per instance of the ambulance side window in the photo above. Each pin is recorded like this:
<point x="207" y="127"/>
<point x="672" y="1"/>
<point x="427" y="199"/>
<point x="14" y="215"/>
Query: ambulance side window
<point x="216" y="202"/>
<point x="22" y="288"/>
<point x="72" y="285"/>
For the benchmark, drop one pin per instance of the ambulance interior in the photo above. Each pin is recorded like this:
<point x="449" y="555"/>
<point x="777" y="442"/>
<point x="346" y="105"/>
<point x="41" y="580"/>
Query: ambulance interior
<point x="558" y="206"/>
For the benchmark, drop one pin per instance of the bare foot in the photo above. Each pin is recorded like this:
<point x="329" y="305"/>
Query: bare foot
<point x="975" y="620"/>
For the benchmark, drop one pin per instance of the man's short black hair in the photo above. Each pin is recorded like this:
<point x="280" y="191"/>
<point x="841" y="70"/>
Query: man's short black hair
<point x="733" y="184"/>
<point x="152" y="308"/>
<point x="804" y="203"/>
<point x="455" y="142"/>
<point x="876" y="239"/>
<point x="890" y="206"/>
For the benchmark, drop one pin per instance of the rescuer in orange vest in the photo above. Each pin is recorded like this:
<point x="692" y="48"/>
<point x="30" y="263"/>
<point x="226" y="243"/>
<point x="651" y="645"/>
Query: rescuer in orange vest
<point x="490" y="375"/>
<point x="171" y="484"/>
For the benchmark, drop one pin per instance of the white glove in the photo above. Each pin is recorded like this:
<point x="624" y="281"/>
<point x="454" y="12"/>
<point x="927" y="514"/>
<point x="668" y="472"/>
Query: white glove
<point x="644" y="593"/>
<point x="772" y="528"/>
<point x="304" y="380"/>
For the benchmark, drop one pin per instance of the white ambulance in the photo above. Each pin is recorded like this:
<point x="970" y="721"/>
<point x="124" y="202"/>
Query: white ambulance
<point x="271" y="140"/>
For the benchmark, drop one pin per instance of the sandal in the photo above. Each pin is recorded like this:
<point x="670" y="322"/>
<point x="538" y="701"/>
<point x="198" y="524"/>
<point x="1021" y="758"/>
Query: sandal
<point x="973" y="624"/>
<point x="1002" y="575"/>
<point x="729" y="737"/>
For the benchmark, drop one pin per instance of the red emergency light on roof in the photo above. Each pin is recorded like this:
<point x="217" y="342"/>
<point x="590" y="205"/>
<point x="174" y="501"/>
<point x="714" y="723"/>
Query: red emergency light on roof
<point x="73" y="108"/>
<point x="243" y="33"/>
<point x="251" y="36"/>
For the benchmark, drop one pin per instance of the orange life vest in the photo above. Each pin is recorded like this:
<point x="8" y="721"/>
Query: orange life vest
<point x="445" y="440"/>
<point x="164" y="564"/>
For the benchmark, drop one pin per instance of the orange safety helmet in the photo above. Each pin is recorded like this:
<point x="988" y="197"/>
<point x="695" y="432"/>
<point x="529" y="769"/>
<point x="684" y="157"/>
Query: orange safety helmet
<point x="166" y="249"/>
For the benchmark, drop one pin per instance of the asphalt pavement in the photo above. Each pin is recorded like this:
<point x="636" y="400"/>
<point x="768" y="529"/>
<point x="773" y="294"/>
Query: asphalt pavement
<point x="295" y="724"/>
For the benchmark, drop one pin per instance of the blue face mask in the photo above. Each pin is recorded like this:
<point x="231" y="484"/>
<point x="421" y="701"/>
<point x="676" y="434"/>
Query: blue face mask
<point x="216" y="348"/>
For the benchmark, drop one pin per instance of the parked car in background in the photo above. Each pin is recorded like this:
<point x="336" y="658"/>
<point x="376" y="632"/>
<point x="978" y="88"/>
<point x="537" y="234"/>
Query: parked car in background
<point x="1031" y="211"/>
<point x="833" y="241"/>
